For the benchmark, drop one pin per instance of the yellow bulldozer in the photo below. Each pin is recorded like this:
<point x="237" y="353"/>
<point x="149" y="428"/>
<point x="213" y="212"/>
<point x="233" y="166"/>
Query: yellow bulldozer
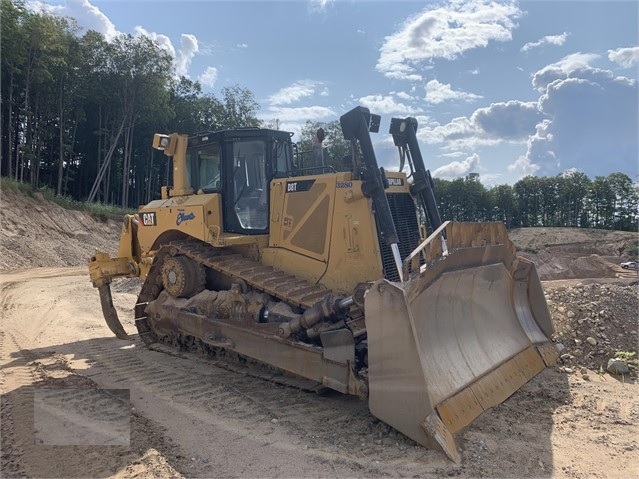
<point x="348" y="279"/>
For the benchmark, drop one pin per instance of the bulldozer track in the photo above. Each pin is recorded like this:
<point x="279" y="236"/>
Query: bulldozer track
<point x="283" y="286"/>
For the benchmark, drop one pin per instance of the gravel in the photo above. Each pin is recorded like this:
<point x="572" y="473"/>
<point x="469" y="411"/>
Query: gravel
<point x="595" y="323"/>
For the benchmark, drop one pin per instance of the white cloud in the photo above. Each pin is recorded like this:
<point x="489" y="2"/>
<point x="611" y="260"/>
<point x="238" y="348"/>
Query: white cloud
<point x="592" y="124"/>
<point x="459" y="128"/>
<point x="437" y="93"/>
<point x="569" y="173"/>
<point x="547" y="40"/>
<point x="512" y="120"/>
<point x="523" y="167"/>
<point x="445" y="32"/>
<point x="624" y="57"/>
<point x="403" y="95"/>
<point x="457" y="169"/>
<point x="208" y="77"/>
<point x="242" y="45"/>
<point x="319" y="6"/>
<point x="181" y="57"/>
<point x="294" y="92"/>
<point x="490" y="180"/>
<point x="383" y="105"/>
<point x="301" y="114"/>
<point x="561" y="69"/>
<point x="89" y="17"/>
<point x="161" y="40"/>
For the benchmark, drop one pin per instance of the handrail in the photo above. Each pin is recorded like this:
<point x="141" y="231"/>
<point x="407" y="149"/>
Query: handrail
<point x="422" y="246"/>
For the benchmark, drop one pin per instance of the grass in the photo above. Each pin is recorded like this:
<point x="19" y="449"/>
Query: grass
<point x="100" y="211"/>
<point x="628" y="357"/>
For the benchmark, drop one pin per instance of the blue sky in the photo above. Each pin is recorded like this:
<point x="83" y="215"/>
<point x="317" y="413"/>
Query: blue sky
<point x="500" y="88"/>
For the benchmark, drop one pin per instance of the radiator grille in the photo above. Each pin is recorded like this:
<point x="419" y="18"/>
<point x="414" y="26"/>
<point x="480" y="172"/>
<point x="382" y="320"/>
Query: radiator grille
<point x="404" y="215"/>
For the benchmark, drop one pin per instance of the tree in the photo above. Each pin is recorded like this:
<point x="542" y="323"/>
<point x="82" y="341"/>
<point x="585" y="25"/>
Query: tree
<point x="624" y="201"/>
<point x="238" y="108"/>
<point x="13" y="44"/>
<point x="601" y="200"/>
<point x="572" y="188"/>
<point x="335" y="147"/>
<point x="143" y="73"/>
<point x="529" y="200"/>
<point x="505" y="207"/>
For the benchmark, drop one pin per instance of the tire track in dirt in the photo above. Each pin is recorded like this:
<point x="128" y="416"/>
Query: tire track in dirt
<point x="32" y="374"/>
<point x="330" y="425"/>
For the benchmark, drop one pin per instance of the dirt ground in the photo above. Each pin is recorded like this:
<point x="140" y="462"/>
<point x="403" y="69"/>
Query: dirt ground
<point x="156" y="413"/>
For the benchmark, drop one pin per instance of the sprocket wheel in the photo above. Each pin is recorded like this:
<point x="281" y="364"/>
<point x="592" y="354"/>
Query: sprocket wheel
<point x="182" y="277"/>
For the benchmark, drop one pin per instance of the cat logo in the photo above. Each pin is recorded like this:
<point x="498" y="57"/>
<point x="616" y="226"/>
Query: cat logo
<point x="149" y="219"/>
<point x="395" y="182"/>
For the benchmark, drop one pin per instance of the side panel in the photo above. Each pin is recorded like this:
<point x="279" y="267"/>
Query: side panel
<point x="322" y="227"/>
<point x="199" y="216"/>
<point x="302" y="214"/>
<point x="355" y="255"/>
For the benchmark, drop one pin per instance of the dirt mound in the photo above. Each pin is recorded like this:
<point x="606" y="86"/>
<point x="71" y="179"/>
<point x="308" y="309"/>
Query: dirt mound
<point x="36" y="232"/>
<point x="575" y="240"/>
<point x="556" y="264"/>
<point x="574" y="253"/>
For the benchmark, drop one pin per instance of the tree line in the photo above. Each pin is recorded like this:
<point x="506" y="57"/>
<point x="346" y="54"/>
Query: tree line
<point x="78" y="112"/>
<point x="568" y="200"/>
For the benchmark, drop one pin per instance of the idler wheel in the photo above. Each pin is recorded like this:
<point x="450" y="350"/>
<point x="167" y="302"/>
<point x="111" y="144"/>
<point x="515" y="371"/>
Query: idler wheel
<point x="182" y="277"/>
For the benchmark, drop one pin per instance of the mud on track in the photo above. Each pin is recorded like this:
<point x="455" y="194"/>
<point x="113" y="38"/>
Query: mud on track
<point x="191" y="418"/>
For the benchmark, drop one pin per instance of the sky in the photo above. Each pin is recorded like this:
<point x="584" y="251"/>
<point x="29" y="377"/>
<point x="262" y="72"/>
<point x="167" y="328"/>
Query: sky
<point x="504" y="89"/>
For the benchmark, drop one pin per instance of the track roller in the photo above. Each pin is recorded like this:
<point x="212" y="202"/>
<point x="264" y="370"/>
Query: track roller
<point x="182" y="277"/>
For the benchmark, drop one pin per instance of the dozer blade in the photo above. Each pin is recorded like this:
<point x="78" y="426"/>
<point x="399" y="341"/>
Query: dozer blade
<point x="458" y="338"/>
<point x="110" y="313"/>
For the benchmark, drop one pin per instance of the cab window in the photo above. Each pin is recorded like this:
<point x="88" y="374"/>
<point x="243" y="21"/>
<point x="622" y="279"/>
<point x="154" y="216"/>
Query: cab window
<point x="203" y="165"/>
<point x="250" y="191"/>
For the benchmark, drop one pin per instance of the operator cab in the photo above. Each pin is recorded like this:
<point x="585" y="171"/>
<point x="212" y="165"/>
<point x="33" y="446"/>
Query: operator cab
<point x="240" y="164"/>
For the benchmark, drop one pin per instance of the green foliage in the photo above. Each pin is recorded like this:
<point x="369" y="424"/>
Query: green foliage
<point x="100" y="211"/>
<point x="9" y="184"/>
<point x="628" y="357"/>
<point x="568" y="200"/>
<point x="336" y="148"/>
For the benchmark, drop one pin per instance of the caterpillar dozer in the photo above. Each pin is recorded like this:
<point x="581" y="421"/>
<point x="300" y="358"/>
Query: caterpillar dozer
<point x="348" y="279"/>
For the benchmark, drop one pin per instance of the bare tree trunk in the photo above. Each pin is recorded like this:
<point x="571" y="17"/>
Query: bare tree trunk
<point x="71" y="148"/>
<point x="33" y="142"/>
<point x="100" y="135"/>
<point x="60" y="137"/>
<point x="10" y="127"/>
<point x="107" y="162"/>
<point x="16" y="143"/>
<point x="149" y="182"/>
<point x="125" y="167"/>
